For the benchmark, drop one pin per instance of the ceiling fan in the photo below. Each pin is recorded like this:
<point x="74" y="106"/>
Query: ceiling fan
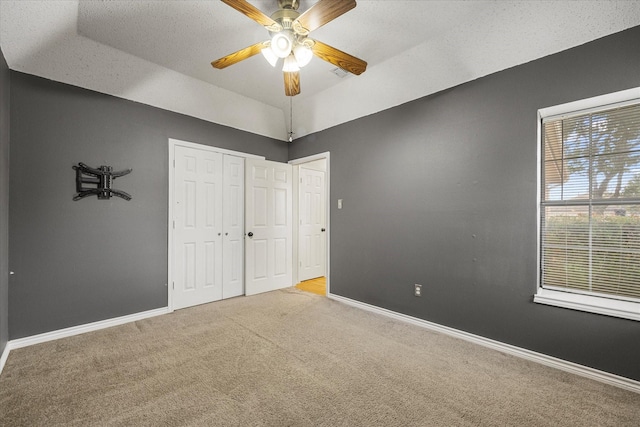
<point x="289" y="32"/>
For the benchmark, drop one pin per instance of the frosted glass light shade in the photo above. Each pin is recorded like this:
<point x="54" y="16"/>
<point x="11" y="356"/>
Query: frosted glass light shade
<point x="303" y="55"/>
<point x="290" y="64"/>
<point x="269" y="56"/>
<point x="281" y="44"/>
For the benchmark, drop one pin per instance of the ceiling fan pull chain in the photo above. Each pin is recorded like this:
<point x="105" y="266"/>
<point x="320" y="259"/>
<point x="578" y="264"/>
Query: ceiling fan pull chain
<point x="290" y="118"/>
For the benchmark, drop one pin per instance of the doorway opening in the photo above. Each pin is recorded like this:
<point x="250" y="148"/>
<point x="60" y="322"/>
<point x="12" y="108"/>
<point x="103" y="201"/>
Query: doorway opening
<point x="311" y="219"/>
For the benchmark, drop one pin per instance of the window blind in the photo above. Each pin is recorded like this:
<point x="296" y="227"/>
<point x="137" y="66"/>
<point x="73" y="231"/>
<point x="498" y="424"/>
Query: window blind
<point x="590" y="203"/>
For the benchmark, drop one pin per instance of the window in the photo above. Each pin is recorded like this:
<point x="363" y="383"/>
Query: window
<point x="589" y="209"/>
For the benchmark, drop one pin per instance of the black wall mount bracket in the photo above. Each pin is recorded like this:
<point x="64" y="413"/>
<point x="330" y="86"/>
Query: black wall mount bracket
<point x="102" y="178"/>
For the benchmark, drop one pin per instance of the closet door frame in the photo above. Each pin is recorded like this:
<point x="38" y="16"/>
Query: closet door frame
<point x="171" y="146"/>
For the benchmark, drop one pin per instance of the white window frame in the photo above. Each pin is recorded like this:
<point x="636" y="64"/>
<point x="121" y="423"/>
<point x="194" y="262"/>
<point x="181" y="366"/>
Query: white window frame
<point x="578" y="301"/>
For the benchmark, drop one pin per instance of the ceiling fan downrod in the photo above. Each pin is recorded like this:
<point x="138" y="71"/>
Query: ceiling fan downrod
<point x="288" y="4"/>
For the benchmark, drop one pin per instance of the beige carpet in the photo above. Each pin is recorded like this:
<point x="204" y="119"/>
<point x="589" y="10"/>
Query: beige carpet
<point x="290" y="358"/>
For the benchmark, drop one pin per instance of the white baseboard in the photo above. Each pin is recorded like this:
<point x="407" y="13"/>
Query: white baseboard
<point x="554" y="362"/>
<point x="3" y="358"/>
<point x="76" y="330"/>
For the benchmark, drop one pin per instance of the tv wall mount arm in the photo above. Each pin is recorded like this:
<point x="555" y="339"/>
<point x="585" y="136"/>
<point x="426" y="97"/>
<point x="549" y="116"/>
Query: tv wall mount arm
<point x="102" y="178"/>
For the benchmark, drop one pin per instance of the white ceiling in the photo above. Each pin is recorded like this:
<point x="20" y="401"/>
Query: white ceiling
<point x="159" y="52"/>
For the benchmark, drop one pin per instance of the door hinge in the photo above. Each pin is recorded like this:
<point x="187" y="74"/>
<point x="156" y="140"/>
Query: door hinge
<point x="174" y="163"/>
<point x="173" y="285"/>
<point x="174" y="225"/>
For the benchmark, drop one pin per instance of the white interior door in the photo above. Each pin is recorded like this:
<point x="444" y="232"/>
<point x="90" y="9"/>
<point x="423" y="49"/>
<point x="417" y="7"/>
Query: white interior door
<point x="268" y="226"/>
<point x="197" y="237"/>
<point x="312" y="231"/>
<point x="233" y="225"/>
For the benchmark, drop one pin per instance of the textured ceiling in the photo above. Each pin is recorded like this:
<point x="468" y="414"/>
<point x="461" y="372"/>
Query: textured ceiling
<point x="159" y="52"/>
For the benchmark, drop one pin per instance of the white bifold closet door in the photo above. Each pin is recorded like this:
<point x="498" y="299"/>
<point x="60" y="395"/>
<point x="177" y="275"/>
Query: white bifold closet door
<point x="233" y="226"/>
<point x="208" y="213"/>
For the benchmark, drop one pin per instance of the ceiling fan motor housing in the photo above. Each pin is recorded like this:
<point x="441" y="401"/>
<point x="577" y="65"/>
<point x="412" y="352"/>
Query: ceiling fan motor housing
<point x="285" y="17"/>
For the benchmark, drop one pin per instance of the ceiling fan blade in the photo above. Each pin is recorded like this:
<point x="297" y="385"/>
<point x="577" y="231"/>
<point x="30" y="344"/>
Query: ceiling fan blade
<point x="291" y="83"/>
<point x="254" y="13"/>
<point x="320" y="13"/>
<point x="339" y="58"/>
<point x="238" y="56"/>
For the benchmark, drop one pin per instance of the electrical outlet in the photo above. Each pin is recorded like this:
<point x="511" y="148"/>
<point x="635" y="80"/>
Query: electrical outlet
<point x="418" y="290"/>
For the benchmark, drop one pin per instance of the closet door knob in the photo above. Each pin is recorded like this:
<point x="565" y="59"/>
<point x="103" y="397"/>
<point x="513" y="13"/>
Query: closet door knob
<point x="250" y="234"/>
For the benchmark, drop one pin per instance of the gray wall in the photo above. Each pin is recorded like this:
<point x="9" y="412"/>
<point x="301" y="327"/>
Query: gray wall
<point x="84" y="261"/>
<point x="4" y="202"/>
<point x="442" y="192"/>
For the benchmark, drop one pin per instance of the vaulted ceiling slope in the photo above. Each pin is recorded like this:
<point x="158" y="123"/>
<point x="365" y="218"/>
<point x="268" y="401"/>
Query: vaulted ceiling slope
<point x="159" y="52"/>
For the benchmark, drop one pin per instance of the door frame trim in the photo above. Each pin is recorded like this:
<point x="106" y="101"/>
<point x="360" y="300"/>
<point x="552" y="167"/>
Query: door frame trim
<point x="170" y="218"/>
<point x="296" y="163"/>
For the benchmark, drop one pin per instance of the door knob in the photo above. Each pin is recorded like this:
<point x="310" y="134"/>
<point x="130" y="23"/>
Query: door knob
<point x="323" y="230"/>
<point x="250" y="234"/>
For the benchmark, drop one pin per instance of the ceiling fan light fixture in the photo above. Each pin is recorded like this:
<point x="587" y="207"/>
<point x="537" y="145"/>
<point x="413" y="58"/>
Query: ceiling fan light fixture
<point x="303" y="55"/>
<point x="290" y="65"/>
<point x="281" y="44"/>
<point x="269" y="56"/>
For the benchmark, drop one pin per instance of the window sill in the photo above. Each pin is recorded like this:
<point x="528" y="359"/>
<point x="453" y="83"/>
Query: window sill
<point x="592" y="304"/>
